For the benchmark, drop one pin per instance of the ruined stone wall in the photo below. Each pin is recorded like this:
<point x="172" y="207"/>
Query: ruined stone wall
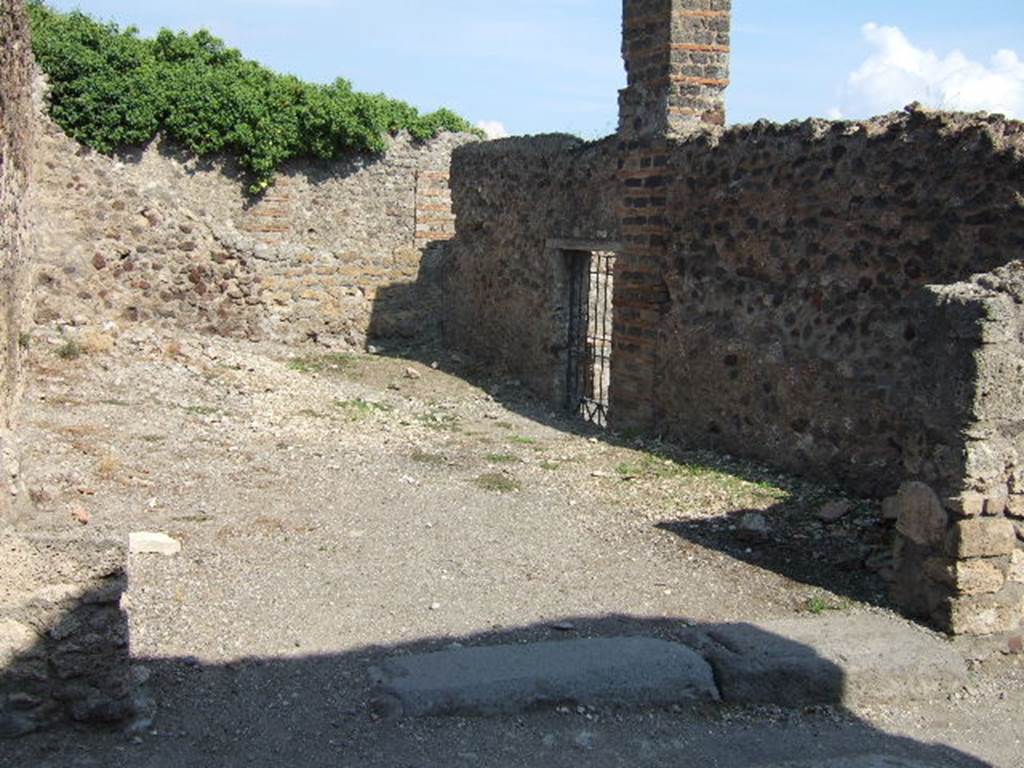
<point x="518" y="204"/>
<point x="63" y="634"/>
<point x="843" y="300"/>
<point x="16" y="131"/>
<point x="799" y="326"/>
<point x="335" y="251"/>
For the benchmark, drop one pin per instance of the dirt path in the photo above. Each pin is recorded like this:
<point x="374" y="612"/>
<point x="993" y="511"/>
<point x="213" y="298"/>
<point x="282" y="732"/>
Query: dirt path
<point x="336" y="507"/>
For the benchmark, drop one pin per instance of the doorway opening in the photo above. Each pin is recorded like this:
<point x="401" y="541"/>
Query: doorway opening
<point x="588" y="374"/>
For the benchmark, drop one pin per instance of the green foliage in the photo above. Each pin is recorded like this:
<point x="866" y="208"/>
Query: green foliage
<point x="111" y="88"/>
<point x="498" y="483"/>
<point x="330" y="363"/>
<point x="502" y="458"/>
<point x="69" y="350"/>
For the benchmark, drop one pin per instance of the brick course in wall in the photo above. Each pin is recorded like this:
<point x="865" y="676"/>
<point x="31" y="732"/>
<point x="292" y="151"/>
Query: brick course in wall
<point x="435" y="220"/>
<point x="677" y="64"/>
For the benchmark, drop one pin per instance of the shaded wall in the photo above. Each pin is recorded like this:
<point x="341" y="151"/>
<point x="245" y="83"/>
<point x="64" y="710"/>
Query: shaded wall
<point x="519" y="203"/>
<point x="63" y="634"/>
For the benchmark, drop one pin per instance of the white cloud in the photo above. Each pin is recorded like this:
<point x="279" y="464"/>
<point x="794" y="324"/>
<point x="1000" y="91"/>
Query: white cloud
<point x="898" y="73"/>
<point x="493" y="128"/>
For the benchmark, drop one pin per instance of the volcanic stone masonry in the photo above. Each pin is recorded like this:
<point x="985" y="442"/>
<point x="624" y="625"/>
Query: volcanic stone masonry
<point x="334" y="251"/>
<point x="16" y="131"/>
<point x="842" y="300"/>
<point x="63" y="635"/>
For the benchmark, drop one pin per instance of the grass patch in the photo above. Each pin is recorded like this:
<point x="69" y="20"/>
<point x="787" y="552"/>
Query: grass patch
<point x="729" y="475"/>
<point x="358" y="409"/>
<point x="69" y="350"/>
<point x="520" y="440"/>
<point x="498" y="483"/>
<point x="818" y="605"/>
<point x="425" y="457"/>
<point x="116" y="403"/>
<point x="502" y="458"/>
<point x="550" y="466"/>
<point x="442" y="422"/>
<point x="201" y="410"/>
<point x="25" y="341"/>
<point x="335" y="362"/>
<point x="650" y="466"/>
<point x="152" y="438"/>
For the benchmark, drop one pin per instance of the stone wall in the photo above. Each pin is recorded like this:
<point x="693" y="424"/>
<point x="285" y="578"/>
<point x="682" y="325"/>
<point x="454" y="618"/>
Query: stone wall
<point x="155" y="236"/>
<point x="842" y="300"/>
<point x="16" y="130"/>
<point x="801" y="325"/>
<point x="63" y="635"/>
<point x="519" y="205"/>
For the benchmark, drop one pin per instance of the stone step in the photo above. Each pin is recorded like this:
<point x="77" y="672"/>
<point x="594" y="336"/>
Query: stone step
<point x="844" y="660"/>
<point x="508" y="679"/>
<point x="849" y="659"/>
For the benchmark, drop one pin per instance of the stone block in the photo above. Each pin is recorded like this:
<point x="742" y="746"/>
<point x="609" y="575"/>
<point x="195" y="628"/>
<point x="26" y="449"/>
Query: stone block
<point x="850" y="659"/>
<point x="981" y="537"/>
<point x="1015" y="506"/>
<point x="17" y="641"/>
<point x="891" y="509"/>
<point x="988" y="614"/>
<point x="941" y="570"/>
<point x="979" y="577"/>
<point x="966" y="504"/>
<point x="922" y="518"/>
<point x="996" y="503"/>
<point x="145" y="543"/>
<point x="1016" y="574"/>
<point x="516" y="678"/>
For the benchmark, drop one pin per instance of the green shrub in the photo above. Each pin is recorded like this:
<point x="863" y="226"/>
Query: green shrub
<point x="69" y="350"/>
<point x="111" y="88"/>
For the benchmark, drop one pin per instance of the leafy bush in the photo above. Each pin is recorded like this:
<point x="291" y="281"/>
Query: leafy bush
<point x="111" y="88"/>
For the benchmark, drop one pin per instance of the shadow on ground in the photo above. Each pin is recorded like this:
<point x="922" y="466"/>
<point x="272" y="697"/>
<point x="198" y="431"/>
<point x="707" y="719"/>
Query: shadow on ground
<point x="833" y="560"/>
<point x="319" y="711"/>
<point x="846" y="558"/>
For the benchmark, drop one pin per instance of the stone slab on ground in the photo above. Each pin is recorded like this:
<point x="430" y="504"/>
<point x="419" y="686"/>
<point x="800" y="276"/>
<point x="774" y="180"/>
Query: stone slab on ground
<point x="843" y="659"/>
<point x="507" y="679"/>
<point x="149" y="543"/>
<point x="863" y="761"/>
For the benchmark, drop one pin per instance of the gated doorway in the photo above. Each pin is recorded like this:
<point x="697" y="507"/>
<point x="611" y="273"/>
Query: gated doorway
<point x="588" y="369"/>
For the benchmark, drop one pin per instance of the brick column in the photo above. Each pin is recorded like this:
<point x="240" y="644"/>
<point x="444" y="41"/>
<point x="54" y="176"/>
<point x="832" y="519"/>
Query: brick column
<point x="677" y="63"/>
<point x="677" y="59"/>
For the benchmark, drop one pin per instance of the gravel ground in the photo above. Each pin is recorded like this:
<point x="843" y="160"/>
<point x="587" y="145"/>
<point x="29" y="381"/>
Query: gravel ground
<point x="336" y="507"/>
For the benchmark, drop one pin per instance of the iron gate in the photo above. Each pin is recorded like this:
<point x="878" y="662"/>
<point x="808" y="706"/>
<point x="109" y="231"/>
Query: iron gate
<point x="590" y="334"/>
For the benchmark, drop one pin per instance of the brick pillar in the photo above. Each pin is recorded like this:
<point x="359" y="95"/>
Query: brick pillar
<point x="677" y="59"/>
<point x="677" y="63"/>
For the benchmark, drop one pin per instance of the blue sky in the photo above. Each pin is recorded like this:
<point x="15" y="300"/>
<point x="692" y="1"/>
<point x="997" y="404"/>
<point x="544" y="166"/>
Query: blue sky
<point x="536" y="66"/>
